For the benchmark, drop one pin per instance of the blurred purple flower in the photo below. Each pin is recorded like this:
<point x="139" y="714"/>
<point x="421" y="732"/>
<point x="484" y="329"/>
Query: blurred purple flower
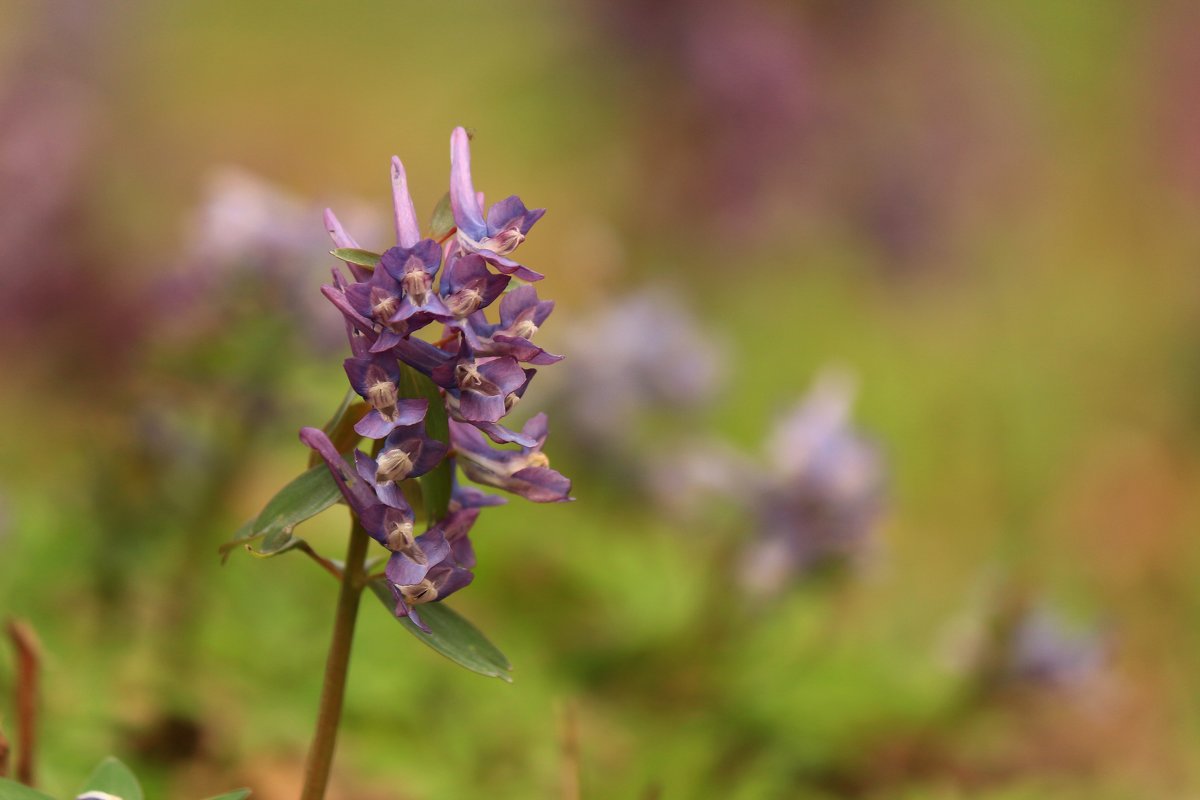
<point x="640" y="354"/>
<point x="1046" y="651"/>
<point x="686" y="480"/>
<point x="789" y="109"/>
<point x="248" y="229"/>
<point x="821" y="499"/>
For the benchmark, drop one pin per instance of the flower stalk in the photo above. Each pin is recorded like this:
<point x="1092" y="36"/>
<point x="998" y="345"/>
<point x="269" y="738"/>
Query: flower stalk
<point x="333" y="689"/>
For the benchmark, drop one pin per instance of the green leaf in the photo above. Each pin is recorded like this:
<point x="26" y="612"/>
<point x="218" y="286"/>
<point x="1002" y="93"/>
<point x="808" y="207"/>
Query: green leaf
<point x="435" y="484"/>
<point x="242" y="536"/>
<point x="340" y="427"/>
<point x="113" y="777"/>
<point x="236" y="794"/>
<point x="450" y="635"/>
<point x="275" y="543"/>
<point x="364" y="258"/>
<point x="303" y="498"/>
<point x="11" y="790"/>
<point x="443" y="219"/>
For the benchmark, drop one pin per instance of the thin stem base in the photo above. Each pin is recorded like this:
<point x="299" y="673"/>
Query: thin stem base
<point x="333" y="692"/>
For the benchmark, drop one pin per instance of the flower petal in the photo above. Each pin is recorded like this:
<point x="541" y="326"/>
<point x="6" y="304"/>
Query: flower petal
<point x="468" y="216"/>
<point x="408" y="230"/>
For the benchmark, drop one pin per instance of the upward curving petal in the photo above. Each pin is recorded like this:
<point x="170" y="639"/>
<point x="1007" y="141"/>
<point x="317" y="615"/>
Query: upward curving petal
<point x="468" y="215"/>
<point x="408" y="230"/>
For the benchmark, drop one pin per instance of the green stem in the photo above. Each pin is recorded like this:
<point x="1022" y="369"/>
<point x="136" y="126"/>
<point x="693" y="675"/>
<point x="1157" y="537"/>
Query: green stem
<point x="320" y="754"/>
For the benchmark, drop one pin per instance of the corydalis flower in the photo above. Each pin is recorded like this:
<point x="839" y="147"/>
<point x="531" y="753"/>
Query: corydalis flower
<point x="820" y="501"/>
<point x="416" y="583"/>
<point x="384" y="513"/>
<point x="525" y="472"/>
<point x="413" y="268"/>
<point x="521" y="314"/>
<point x="507" y="222"/>
<point x="486" y="387"/>
<point x="476" y="391"/>
<point x="377" y="380"/>
<point x="434" y="565"/>
<point x="468" y="285"/>
<point x="408" y="453"/>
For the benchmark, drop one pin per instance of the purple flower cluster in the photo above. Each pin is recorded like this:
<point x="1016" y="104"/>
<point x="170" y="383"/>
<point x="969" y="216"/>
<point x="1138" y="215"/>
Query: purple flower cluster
<point x="481" y="369"/>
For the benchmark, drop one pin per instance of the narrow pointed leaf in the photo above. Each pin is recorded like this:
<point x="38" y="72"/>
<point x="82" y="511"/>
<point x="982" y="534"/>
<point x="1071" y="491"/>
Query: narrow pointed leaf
<point x="274" y="543"/>
<point x="303" y="498"/>
<point x="11" y="790"/>
<point x="437" y="483"/>
<point x="243" y="536"/>
<point x="236" y="794"/>
<point x="442" y="223"/>
<point x="363" y="258"/>
<point x="113" y="778"/>
<point x="340" y="427"/>
<point x="451" y="635"/>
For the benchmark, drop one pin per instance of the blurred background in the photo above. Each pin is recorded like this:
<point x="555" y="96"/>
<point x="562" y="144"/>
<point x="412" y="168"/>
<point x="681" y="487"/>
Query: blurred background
<point x="883" y="342"/>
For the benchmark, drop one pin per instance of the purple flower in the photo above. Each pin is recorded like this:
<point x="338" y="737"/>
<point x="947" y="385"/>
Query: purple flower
<point x="408" y="230"/>
<point x="468" y="285"/>
<point x="408" y="453"/>
<point x="521" y="314"/>
<point x="376" y="378"/>
<point x="392" y="527"/>
<point x="356" y="323"/>
<point x="380" y="506"/>
<point x="444" y="369"/>
<point x="525" y="472"/>
<point x="1046" y="651"/>
<point x="378" y="298"/>
<point x="823" y="497"/>
<point x="507" y="222"/>
<point x="456" y="527"/>
<point x="486" y="388"/>
<point x="425" y="572"/>
<point x="413" y="268"/>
